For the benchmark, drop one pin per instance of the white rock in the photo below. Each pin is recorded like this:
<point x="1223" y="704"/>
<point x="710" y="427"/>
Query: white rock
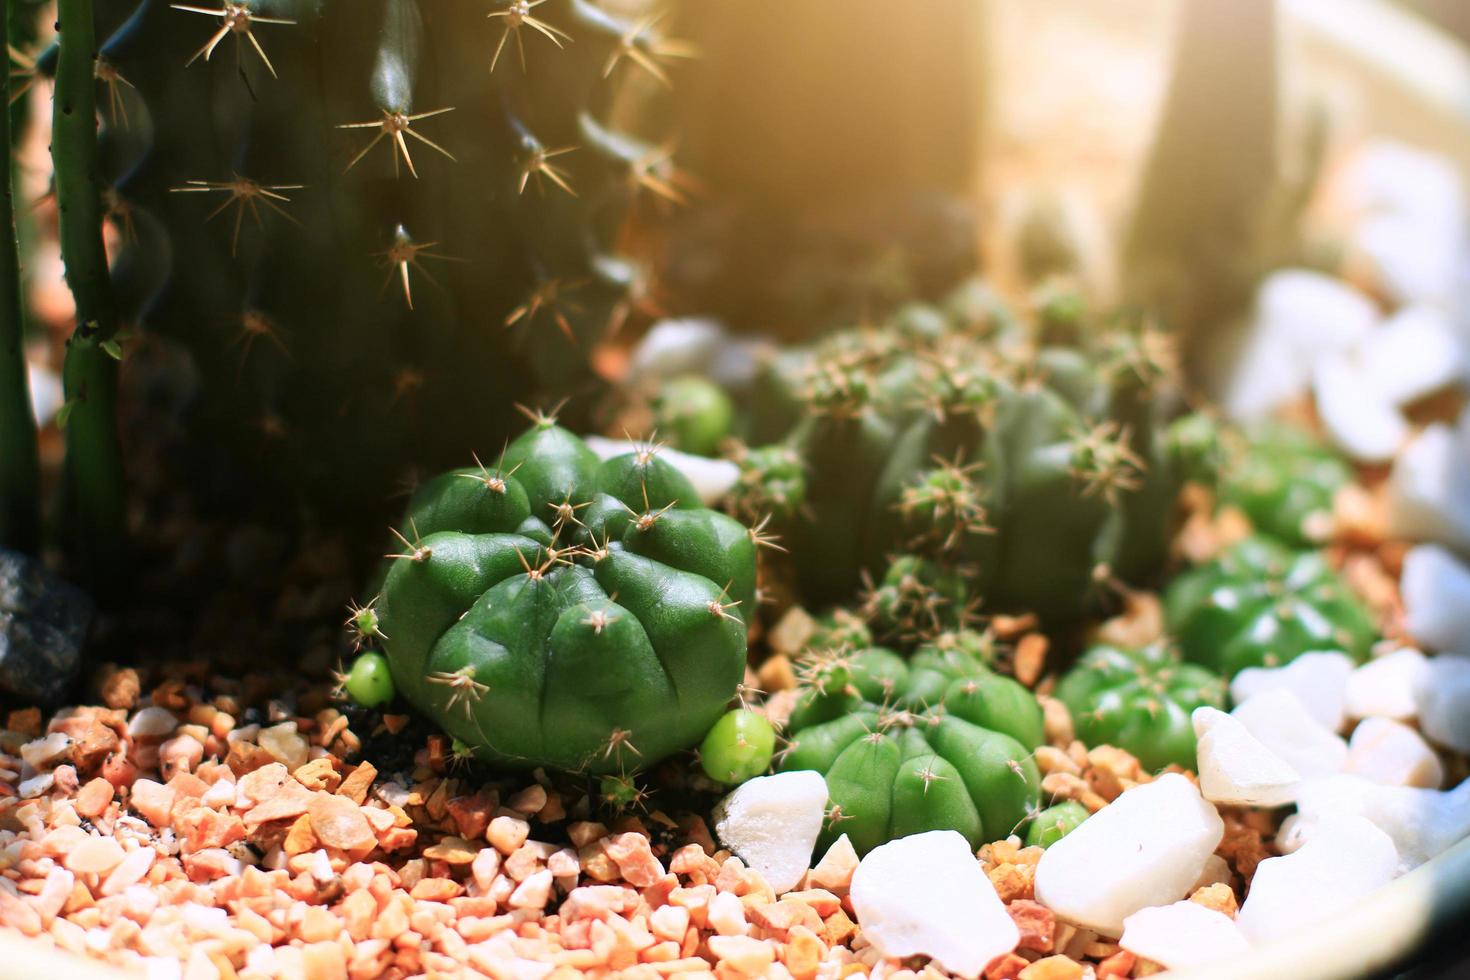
<point x="1429" y="488"/>
<point x="1183" y="934"/>
<point x="1444" y="702"/>
<point x="773" y="823"/>
<point x="1278" y="718"/>
<point x="1388" y="686"/>
<point x="1421" y="822"/>
<point x="1436" y="591"/>
<point x="1235" y="768"/>
<point x="1412" y="258"/>
<point x="694" y="345"/>
<point x="1358" y="419"/>
<point x="1216" y="871"/>
<point x="47" y="395"/>
<point x="1389" y="177"/>
<point x="1146" y="848"/>
<point x="152" y="722"/>
<point x="1414" y="353"/>
<point x="1392" y="753"/>
<point x="1348" y="859"/>
<point x="1319" y="680"/>
<point x="46" y="752"/>
<point x="926" y="895"/>
<point x="1299" y="316"/>
<point x="712" y="478"/>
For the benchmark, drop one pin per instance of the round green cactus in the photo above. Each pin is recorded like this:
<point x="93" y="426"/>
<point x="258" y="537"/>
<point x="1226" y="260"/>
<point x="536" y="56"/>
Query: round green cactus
<point x="935" y="743"/>
<point x="561" y="611"/>
<point x="1285" y="482"/>
<point x="1039" y="471"/>
<point x="1262" y="605"/>
<point x="693" y="413"/>
<point x="1139" y="701"/>
<point x="1055" y="822"/>
<point x="738" y="747"/>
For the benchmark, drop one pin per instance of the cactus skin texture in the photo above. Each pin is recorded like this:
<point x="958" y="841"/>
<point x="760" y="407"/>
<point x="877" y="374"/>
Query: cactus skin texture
<point x="1035" y="467"/>
<point x="1262" y="605"/>
<point x="556" y="610"/>
<point x="1285" y="481"/>
<point x="937" y="742"/>
<point x="376" y="241"/>
<point x="1140" y="701"/>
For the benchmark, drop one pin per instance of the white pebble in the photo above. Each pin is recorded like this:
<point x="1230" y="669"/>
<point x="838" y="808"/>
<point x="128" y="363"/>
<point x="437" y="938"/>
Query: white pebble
<point x="1146" y="848"/>
<point x="1348" y="859"/>
<point x="46" y="752"/>
<point x="1299" y="316"/>
<point x="1235" y="768"/>
<point x="1429" y="488"/>
<point x="695" y="345"/>
<point x="1278" y="718"/>
<point x="1319" y="680"/>
<point x="926" y="895"/>
<point x="1421" y="822"/>
<point x="1436" y="591"/>
<point x="1388" y="686"/>
<point x="152" y="722"/>
<point x="1392" y="753"/>
<point x="773" y="823"/>
<point x="1183" y="934"/>
<point x="1413" y="353"/>
<point x="726" y="915"/>
<point x="1358" y="420"/>
<point x="1444" y="702"/>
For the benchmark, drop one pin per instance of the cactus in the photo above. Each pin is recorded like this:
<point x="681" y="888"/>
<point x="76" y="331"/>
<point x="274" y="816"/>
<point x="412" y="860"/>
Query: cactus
<point x="1285" y="481"/>
<point x="1055" y="822"/>
<point x="555" y="610"/>
<point x="1038" y="468"/>
<point x="738" y="747"/>
<point x="937" y="742"/>
<point x="20" y="468"/>
<point x="375" y="225"/>
<point x="1140" y="701"/>
<point x="1262" y="605"/>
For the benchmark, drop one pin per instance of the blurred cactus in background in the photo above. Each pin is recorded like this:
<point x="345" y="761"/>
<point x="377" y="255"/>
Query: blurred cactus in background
<point x="375" y="225"/>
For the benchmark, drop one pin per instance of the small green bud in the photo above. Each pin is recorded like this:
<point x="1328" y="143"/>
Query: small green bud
<point x="738" y="747"/>
<point x="368" y="682"/>
<point x="1054" y="823"/>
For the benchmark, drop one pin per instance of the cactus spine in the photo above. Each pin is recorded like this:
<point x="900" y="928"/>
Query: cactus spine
<point x="20" y="475"/>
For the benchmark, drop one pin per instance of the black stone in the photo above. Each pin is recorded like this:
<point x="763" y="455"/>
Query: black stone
<point x="43" y="623"/>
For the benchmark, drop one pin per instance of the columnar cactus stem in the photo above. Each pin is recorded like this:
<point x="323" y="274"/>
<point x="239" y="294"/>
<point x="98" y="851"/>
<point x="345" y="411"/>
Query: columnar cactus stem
<point x="93" y="477"/>
<point x="20" y="478"/>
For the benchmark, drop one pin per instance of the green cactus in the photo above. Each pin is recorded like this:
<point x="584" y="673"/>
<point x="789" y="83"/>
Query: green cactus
<point x="1037" y="473"/>
<point x="556" y="610"/>
<point x="1262" y="605"/>
<point x="693" y="413"/>
<point x="1285" y="481"/>
<point x="1055" y="822"/>
<point x="20" y="466"/>
<point x="936" y="742"/>
<point x="375" y="225"/>
<point x="1139" y="701"/>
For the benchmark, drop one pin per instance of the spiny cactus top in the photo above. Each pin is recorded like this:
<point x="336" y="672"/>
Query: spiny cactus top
<point x="1043" y="466"/>
<point x="376" y="224"/>
<point x="1262" y="605"/>
<point x="1285" y="481"/>
<point x="557" y="610"/>
<point x="937" y="742"/>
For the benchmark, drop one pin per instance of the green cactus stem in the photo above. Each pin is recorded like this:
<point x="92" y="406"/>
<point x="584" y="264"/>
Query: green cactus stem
<point x="20" y="471"/>
<point x="93" y="489"/>
<point x="556" y="610"/>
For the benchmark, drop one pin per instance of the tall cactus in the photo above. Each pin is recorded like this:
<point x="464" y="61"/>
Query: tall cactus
<point x="93" y="477"/>
<point x="20" y="477"/>
<point x="377" y="224"/>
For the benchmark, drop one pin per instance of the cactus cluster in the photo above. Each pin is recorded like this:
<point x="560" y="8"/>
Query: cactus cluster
<point x="554" y="609"/>
<point x="1261" y="604"/>
<point x="935" y="742"/>
<point x="373" y="225"/>
<point x="1022" y="462"/>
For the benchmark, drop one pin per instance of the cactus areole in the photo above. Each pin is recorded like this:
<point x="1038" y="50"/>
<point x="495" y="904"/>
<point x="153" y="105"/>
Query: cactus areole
<point x="558" y="610"/>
